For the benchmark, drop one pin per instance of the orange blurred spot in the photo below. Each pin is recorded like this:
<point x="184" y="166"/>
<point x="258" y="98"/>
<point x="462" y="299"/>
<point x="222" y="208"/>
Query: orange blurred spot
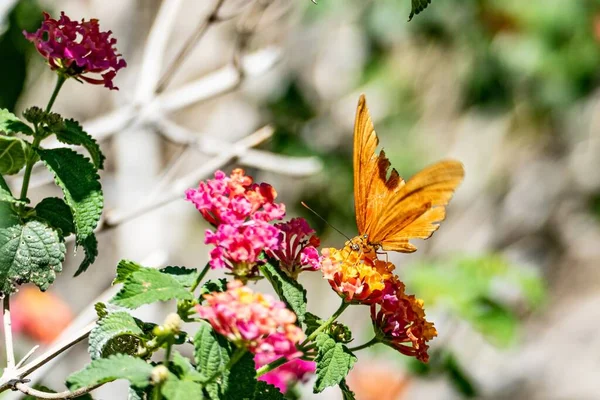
<point x="373" y="380"/>
<point x="41" y="315"/>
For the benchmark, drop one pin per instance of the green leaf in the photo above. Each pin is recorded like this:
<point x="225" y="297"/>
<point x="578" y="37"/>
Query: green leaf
<point x="213" y="285"/>
<point x="184" y="369"/>
<point x="57" y="213"/>
<point x="74" y="134"/>
<point x="80" y="183"/>
<point x="116" y="333"/>
<point x="147" y="286"/>
<point x="124" y="269"/>
<point x="334" y="361"/>
<point x="8" y="215"/>
<point x="288" y="289"/>
<point x="120" y="366"/>
<point x="212" y="353"/>
<point x="242" y="381"/>
<point x="265" y="391"/>
<point x="467" y="287"/>
<point x="136" y="394"/>
<point x="33" y="252"/>
<point x="347" y="394"/>
<point x="459" y="378"/>
<point x="312" y="323"/>
<point x="4" y="185"/>
<point x="7" y="197"/>
<point x="174" y="389"/>
<point x="185" y="276"/>
<point x="9" y="123"/>
<point x="12" y="155"/>
<point x="417" y="6"/>
<point x="90" y="249"/>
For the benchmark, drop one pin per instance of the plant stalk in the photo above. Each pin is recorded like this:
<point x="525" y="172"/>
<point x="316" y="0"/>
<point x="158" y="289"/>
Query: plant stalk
<point x="38" y="137"/>
<point x="61" y="79"/>
<point x="370" y="343"/>
<point x="320" y="329"/>
<point x="8" y="339"/>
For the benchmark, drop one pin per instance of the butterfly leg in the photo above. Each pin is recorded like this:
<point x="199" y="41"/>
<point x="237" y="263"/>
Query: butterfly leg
<point x="386" y="255"/>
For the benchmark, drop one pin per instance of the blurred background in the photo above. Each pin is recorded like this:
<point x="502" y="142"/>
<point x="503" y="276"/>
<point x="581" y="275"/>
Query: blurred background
<point x="510" y="88"/>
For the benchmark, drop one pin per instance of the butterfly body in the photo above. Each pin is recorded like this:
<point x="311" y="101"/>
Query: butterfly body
<point x="389" y="210"/>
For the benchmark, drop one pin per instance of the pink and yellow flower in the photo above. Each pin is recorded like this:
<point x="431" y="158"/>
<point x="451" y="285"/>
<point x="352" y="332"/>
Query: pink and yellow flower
<point x="298" y="251"/>
<point x="400" y="321"/>
<point x="248" y="319"/>
<point x="355" y="276"/>
<point x="241" y="211"/>
<point x="76" y="49"/>
<point x="295" y="370"/>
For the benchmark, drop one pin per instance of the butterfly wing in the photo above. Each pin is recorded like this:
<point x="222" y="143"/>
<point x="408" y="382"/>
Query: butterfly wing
<point x="389" y="210"/>
<point x="370" y="171"/>
<point x="416" y="209"/>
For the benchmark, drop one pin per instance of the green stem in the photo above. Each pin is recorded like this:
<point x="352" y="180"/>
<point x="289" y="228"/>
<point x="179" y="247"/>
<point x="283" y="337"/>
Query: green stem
<point x="38" y="137"/>
<point x="200" y="278"/>
<point x="168" y="352"/>
<point x="156" y="394"/>
<point x="28" y="168"/>
<point x="320" y="329"/>
<point x="364" y="346"/>
<point x="59" y="83"/>
<point x="271" y="366"/>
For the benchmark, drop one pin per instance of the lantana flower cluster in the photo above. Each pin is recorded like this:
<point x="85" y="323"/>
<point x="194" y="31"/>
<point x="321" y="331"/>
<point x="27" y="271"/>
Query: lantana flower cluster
<point x="400" y="319"/>
<point x="298" y="250"/>
<point x="241" y="211"/>
<point x="76" y="49"/>
<point x="355" y="276"/>
<point x="296" y="370"/>
<point x="361" y="278"/>
<point x="261" y="324"/>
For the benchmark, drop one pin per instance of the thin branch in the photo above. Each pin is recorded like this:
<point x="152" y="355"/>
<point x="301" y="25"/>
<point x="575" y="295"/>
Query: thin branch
<point x="62" y="395"/>
<point x="188" y="46"/>
<point x="265" y="160"/>
<point x="10" y="375"/>
<point x="55" y="351"/>
<point x="8" y="339"/>
<point x="104" y="126"/>
<point x="154" y="50"/>
<point x="246" y="29"/>
<point x="219" y="82"/>
<point x="180" y="185"/>
<point x="27" y="356"/>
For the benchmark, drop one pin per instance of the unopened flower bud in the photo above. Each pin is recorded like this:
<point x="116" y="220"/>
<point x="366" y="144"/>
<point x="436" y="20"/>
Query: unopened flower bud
<point x="172" y="323"/>
<point x="34" y="114"/>
<point x="159" y="374"/>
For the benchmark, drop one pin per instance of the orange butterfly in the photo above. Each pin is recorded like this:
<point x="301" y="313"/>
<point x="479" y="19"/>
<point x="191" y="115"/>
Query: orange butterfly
<point x="390" y="211"/>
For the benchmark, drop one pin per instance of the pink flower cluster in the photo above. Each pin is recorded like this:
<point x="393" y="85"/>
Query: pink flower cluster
<point x="252" y="320"/>
<point x="298" y="251"/>
<point x="77" y="48"/>
<point x="241" y="211"/>
<point x="293" y="371"/>
<point x="261" y="324"/>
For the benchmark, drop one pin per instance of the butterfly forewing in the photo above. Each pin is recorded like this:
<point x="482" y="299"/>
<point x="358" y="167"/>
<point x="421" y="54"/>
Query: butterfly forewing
<point x="388" y="210"/>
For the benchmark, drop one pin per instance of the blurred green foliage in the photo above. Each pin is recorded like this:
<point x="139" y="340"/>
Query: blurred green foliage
<point x="15" y="50"/>
<point x="443" y="362"/>
<point x="475" y="289"/>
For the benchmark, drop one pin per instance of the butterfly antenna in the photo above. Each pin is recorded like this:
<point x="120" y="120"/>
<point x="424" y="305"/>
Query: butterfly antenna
<point x="324" y="220"/>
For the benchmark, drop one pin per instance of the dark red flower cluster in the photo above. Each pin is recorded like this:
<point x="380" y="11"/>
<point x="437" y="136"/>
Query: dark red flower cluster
<point x="75" y="49"/>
